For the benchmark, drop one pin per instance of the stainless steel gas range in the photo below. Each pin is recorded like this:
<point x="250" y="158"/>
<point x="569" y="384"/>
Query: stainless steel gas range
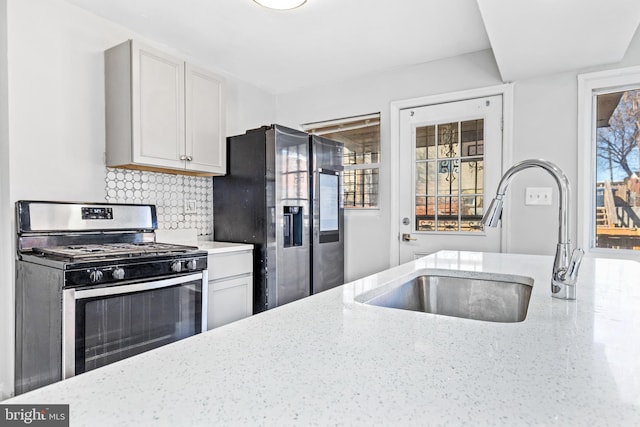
<point x="94" y="287"/>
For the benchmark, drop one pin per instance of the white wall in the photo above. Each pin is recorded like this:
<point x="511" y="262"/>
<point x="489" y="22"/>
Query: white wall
<point x="6" y="233"/>
<point x="367" y="232"/>
<point x="56" y="83"/>
<point x="56" y="120"/>
<point x="545" y="126"/>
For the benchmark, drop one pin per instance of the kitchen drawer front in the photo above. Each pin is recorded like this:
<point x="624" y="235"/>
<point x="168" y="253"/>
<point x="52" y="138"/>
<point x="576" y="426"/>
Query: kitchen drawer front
<point x="230" y="264"/>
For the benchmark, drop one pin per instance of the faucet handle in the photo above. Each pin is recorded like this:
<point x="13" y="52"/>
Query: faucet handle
<point x="574" y="264"/>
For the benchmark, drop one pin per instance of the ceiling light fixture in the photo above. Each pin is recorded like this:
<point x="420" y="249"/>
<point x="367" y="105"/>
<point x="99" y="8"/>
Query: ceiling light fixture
<point x="281" y="4"/>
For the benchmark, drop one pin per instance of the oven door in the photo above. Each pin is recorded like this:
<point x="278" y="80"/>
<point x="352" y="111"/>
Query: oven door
<point x="106" y="324"/>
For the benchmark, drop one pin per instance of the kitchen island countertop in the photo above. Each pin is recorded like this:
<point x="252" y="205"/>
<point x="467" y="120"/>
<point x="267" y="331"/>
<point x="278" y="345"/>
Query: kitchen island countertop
<point x="328" y="360"/>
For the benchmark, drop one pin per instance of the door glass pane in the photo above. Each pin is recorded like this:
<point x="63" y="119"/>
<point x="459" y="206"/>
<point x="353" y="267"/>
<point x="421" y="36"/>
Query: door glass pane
<point x="421" y="178"/>
<point x="447" y="211"/>
<point x="447" y="207"/>
<point x="448" y="140"/>
<point x="472" y="176"/>
<point x="448" y="176"/>
<point x="617" y="186"/>
<point x="425" y="178"/>
<point x="425" y="142"/>
<point x="471" y="212"/>
<point x="451" y="173"/>
<point x="431" y="178"/>
<point x="472" y="137"/>
<point x="425" y="214"/>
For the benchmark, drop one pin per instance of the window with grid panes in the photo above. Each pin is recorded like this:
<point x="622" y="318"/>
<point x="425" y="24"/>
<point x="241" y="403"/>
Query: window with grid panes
<point x="361" y="156"/>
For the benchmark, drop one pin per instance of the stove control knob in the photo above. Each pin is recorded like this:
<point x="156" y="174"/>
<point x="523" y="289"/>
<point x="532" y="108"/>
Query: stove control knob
<point x="118" y="273"/>
<point x="191" y="264"/>
<point x="95" y="276"/>
<point x="176" y="266"/>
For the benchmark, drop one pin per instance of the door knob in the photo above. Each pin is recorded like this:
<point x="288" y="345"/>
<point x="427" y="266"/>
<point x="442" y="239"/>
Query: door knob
<point x="406" y="237"/>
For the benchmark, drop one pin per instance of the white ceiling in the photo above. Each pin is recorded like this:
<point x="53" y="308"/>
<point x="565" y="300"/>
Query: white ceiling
<point x="536" y="37"/>
<point x="329" y="40"/>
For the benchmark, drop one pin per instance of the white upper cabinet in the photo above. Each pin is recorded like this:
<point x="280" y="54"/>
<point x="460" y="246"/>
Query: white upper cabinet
<point x="205" y="121"/>
<point x="157" y="98"/>
<point x="161" y="113"/>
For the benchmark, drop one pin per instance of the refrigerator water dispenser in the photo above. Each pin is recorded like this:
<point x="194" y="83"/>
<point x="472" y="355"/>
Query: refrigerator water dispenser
<point x="292" y="226"/>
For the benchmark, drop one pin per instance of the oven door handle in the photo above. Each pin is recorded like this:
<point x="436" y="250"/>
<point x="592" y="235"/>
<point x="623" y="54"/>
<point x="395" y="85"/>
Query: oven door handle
<point x="136" y="287"/>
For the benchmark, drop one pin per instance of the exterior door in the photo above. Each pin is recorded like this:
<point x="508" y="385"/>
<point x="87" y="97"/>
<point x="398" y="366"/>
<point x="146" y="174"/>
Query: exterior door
<point x="450" y="164"/>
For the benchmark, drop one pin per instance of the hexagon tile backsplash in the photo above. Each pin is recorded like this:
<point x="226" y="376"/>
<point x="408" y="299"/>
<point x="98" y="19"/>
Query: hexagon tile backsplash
<point x="175" y="197"/>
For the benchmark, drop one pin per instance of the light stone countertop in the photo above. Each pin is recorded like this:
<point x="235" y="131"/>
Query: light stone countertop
<point x="327" y="360"/>
<point x="189" y="236"/>
<point x="223" y="247"/>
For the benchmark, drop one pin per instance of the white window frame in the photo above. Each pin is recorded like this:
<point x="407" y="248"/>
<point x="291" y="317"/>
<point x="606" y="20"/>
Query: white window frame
<point x="590" y="84"/>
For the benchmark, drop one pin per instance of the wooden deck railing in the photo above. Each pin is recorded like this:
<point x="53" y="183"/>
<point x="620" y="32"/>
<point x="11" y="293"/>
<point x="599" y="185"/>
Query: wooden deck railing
<point x="609" y="204"/>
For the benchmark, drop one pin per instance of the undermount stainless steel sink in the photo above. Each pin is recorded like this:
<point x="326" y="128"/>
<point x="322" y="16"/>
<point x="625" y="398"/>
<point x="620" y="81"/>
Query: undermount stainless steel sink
<point x="470" y="295"/>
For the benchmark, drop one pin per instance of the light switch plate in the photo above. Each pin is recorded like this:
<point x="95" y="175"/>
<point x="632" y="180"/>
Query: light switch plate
<point x="537" y="196"/>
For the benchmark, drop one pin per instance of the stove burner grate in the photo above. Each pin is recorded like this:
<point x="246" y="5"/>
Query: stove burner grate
<point x="78" y="252"/>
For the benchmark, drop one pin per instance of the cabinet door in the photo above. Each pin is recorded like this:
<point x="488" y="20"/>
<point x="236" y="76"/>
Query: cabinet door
<point x="158" y="108"/>
<point x="229" y="300"/>
<point x="205" y="137"/>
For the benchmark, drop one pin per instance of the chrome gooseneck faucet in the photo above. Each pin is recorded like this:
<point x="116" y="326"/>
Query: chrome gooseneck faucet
<point x="565" y="269"/>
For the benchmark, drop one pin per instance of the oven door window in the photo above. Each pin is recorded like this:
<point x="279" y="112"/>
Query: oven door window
<point x="114" y="327"/>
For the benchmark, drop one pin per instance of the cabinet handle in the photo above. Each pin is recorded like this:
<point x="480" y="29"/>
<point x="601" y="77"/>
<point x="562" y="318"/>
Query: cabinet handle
<point x="183" y="157"/>
<point x="189" y="158"/>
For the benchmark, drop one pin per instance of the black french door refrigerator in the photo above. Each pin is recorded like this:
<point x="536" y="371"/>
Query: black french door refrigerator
<point x="282" y="194"/>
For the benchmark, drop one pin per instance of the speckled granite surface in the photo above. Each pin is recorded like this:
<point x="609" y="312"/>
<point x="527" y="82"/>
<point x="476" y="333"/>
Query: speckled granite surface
<point x="223" y="247"/>
<point x="327" y="360"/>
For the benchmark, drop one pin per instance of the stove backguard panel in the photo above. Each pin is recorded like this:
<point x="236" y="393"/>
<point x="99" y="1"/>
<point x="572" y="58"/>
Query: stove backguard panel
<point x="174" y="196"/>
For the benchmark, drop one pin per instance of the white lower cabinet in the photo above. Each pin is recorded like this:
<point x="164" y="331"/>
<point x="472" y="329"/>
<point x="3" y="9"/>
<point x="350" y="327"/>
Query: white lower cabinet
<point x="230" y="287"/>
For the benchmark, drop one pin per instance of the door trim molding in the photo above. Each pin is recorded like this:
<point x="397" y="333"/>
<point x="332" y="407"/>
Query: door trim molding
<point x="506" y="90"/>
